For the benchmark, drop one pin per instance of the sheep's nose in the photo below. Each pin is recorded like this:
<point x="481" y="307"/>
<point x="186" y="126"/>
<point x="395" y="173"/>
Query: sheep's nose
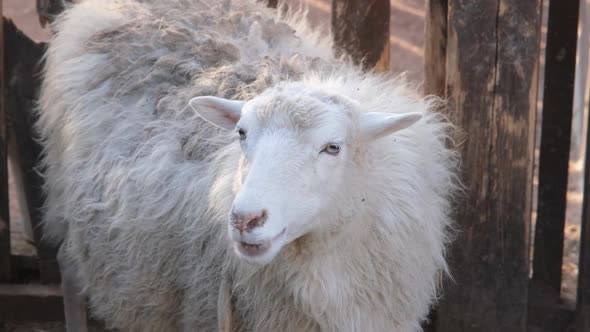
<point x="247" y="221"/>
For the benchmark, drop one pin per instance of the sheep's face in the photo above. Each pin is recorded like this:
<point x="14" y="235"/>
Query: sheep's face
<point x="297" y="153"/>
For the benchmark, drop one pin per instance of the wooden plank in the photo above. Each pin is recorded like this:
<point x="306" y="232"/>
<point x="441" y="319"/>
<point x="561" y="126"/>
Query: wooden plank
<point x="30" y="303"/>
<point x="361" y="30"/>
<point x="546" y="313"/>
<point x="581" y="83"/>
<point x="491" y="75"/>
<point x="4" y="216"/>
<point x="435" y="47"/>
<point x="35" y="303"/>
<point x="23" y="65"/>
<point x="552" y="318"/>
<point x="435" y="54"/>
<point x="560" y="61"/>
<point x="583" y="301"/>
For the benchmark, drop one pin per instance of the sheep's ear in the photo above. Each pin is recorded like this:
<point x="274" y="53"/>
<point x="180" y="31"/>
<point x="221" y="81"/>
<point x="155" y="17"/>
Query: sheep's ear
<point x="374" y="125"/>
<point x="221" y="112"/>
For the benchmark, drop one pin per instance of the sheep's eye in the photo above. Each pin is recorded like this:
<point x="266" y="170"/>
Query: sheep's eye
<point x="242" y="134"/>
<point x="332" y="149"/>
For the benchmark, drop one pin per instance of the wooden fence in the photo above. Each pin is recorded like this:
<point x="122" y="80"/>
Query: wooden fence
<point x="483" y="57"/>
<point x="28" y="285"/>
<point x="486" y="65"/>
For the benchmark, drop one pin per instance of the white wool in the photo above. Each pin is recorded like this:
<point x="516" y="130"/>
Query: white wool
<point x="139" y="188"/>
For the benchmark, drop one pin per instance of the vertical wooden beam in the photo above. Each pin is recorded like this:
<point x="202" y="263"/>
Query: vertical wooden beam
<point x="22" y="67"/>
<point x="491" y="75"/>
<point x="581" y="83"/>
<point x="4" y="216"/>
<point x="435" y="55"/>
<point x="560" y="62"/>
<point x="583" y="301"/>
<point x="361" y="30"/>
<point x="435" y="47"/>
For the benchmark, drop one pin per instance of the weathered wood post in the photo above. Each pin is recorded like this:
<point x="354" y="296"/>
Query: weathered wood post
<point x="492" y="52"/>
<point x="435" y="47"/>
<point x="558" y="96"/>
<point x="22" y="61"/>
<point x="583" y="301"/>
<point x="361" y="29"/>
<point x="545" y="309"/>
<point x="4" y="215"/>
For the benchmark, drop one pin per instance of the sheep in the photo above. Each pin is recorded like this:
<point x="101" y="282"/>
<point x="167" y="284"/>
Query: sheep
<point x="217" y="167"/>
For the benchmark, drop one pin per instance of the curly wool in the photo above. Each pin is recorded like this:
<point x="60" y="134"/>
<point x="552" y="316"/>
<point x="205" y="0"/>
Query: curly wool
<point x="139" y="187"/>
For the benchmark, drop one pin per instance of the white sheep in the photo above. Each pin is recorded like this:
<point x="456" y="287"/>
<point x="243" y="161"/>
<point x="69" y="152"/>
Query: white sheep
<point x="215" y="168"/>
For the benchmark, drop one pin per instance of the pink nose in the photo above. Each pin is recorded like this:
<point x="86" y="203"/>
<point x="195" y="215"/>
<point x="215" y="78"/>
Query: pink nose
<point x="246" y="222"/>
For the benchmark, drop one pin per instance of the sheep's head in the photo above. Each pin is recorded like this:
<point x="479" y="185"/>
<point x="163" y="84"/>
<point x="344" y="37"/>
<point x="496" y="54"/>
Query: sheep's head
<point x="298" y="148"/>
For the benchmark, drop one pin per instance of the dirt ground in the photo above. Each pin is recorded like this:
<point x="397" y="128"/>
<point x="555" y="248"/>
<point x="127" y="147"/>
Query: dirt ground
<point x="406" y="37"/>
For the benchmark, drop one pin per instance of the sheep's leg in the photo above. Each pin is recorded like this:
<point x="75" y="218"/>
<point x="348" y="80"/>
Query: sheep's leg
<point x="224" y="307"/>
<point x="228" y="321"/>
<point x="74" y="301"/>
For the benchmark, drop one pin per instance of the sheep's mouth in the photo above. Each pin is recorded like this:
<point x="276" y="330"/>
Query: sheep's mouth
<point x="258" y="249"/>
<point x="254" y="249"/>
